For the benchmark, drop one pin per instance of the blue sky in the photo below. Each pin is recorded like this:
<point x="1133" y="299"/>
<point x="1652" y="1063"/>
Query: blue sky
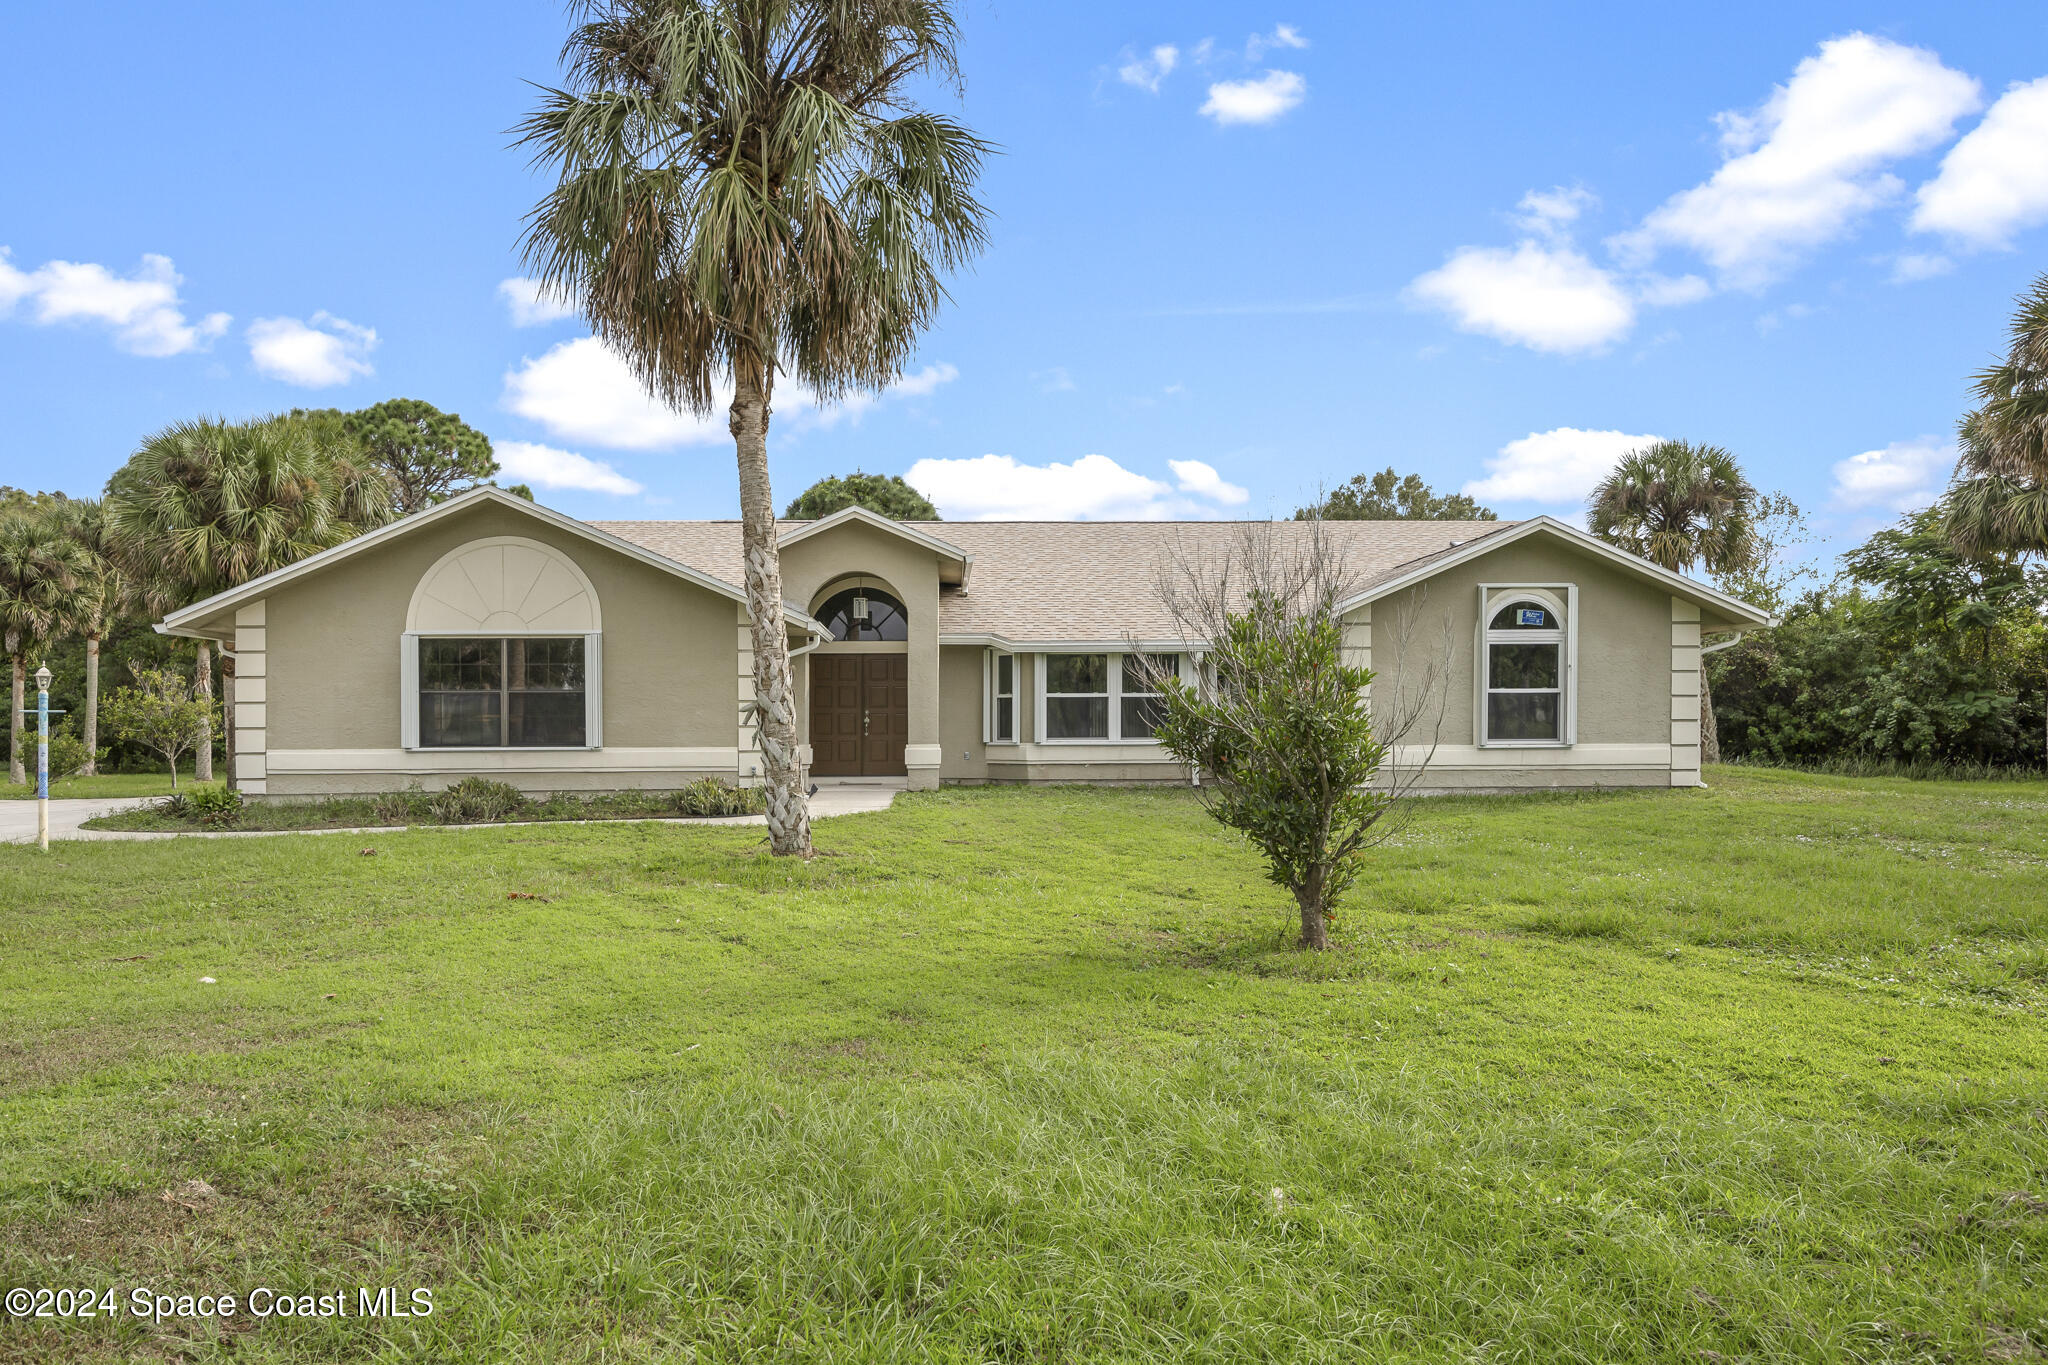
<point x="1240" y="251"/>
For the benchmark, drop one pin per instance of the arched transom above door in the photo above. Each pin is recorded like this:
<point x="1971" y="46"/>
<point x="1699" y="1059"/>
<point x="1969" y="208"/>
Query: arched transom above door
<point x="504" y="585"/>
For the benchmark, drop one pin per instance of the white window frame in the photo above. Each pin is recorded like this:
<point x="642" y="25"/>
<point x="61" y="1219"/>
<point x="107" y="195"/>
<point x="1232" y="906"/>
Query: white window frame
<point x="409" y="690"/>
<point x="1562" y="600"/>
<point x="1041" y="673"/>
<point x="991" y="676"/>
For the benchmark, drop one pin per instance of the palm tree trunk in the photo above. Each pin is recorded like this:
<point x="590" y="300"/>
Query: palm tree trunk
<point x="202" y="683"/>
<point x="789" y="818"/>
<point x="91" y="725"/>
<point x="1710" y="733"/>
<point x="227" y="713"/>
<point x="15" y="773"/>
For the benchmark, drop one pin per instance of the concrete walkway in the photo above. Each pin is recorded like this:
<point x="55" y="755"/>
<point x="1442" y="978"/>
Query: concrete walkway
<point x="18" y="818"/>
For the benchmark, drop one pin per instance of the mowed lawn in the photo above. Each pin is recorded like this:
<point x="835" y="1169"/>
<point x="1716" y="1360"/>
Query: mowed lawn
<point x="1757" y="1073"/>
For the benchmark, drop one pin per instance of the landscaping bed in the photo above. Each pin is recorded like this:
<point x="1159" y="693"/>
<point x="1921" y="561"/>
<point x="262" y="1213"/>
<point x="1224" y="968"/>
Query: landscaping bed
<point x="472" y="801"/>
<point x="1754" y="1073"/>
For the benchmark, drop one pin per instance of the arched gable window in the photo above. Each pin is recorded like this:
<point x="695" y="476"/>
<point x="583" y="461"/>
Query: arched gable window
<point x="1525" y="670"/>
<point x="864" y="614"/>
<point x="501" y="651"/>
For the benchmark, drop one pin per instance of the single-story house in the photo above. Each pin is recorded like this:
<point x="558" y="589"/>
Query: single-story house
<point x="489" y="635"/>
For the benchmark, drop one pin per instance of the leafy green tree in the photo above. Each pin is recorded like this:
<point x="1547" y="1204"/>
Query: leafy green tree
<point x="1998" y="503"/>
<point x="887" y="494"/>
<point x="746" y="188"/>
<point x="165" y="713"/>
<point x="207" y="505"/>
<point x="40" y="570"/>
<point x="1681" y="506"/>
<point x="14" y="499"/>
<point x="1920" y="653"/>
<point x="1386" y="496"/>
<point x="1775" y="573"/>
<point x="426" y="455"/>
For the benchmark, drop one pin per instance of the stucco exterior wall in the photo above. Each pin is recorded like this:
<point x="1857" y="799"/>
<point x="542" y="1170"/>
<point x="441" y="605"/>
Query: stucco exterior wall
<point x="911" y="572"/>
<point x="1623" y="677"/>
<point x="332" y="689"/>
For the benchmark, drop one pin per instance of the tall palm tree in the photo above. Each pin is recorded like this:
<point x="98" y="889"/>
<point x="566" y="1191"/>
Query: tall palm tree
<point x="40" y="568"/>
<point x="207" y="505"/>
<point x="1998" y="503"/>
<point x="745" y="187"/>
<point x="1681" y="506"/>
<point x="104" y="594"/>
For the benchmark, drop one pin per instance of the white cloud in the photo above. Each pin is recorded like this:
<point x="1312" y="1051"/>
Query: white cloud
<point x="527" y="462"/>
<point x="1092" y="488"/>
<point x="582" y="391"/>
<point x="1255" y="101"/>
<point x="924" y="383"/>
<point x="316" y="354"/>
<point x="1550" y="213"/>
<point x="1549" y="298"/>
<point x="141" y="308"/>
<point x="1148" y="72"/>
<point x="531" y="305"/>
<point x="1667" y="291"/>
<point x="1904" y="476"/>
<point x="1995" y="181"/>
<point x="1283" y="35"/>
<point x="1913" y="267"/>
<point x="1202" y="481"/>
<point x="1556" y="467"/>
<point x="1810" y="162"/>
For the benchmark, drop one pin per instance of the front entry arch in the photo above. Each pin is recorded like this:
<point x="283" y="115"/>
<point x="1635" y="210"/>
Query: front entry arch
<point x="860" y="682"/>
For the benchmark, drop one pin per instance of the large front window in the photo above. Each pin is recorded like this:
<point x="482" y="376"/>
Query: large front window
<point x="1104" y="696"/>
<point x="1525" y="667"/>
<point x="520" y="693"/>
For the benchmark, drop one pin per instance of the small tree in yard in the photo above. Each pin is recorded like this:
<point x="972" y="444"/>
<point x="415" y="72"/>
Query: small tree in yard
<point x="161" y="712"/>
<point x="1300" y="761"/>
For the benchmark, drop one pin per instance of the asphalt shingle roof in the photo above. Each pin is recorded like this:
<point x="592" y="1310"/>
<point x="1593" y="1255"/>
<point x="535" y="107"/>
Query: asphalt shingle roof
<point x="1079" y="580"/>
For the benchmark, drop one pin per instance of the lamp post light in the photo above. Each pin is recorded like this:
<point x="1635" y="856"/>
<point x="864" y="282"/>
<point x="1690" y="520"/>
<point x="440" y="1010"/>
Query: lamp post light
<point x="43" y="757"/>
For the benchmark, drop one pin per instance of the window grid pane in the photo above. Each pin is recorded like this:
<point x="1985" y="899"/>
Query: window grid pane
<point x="1522" y="715"/>
<point x="1077" y="717"/>
<point x="1077" y="675"/>
<point x="517" y="693"/>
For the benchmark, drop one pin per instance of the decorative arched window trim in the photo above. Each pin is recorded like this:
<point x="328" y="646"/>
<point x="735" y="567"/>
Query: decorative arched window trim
<point x="1562" y="601"/>
<point x="568" y="604"/>
<point x="503" y="588"/>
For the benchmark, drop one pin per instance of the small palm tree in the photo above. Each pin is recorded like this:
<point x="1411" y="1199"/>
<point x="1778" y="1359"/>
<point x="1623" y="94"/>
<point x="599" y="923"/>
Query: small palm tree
<point x="208" y="505"/>
<point x="746" y="187"/>
<point x="1683" y="507"/>
<point x="40" y="569"/>
<point x="1998" y="503"/>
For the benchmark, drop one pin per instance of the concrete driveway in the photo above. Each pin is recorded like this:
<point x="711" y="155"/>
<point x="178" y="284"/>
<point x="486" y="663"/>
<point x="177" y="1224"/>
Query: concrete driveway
<point x="18" y="818"/>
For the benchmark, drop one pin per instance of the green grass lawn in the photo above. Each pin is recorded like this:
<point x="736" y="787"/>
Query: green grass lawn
<point x="107" y="786"/>
<point x="1750" y="1074"/>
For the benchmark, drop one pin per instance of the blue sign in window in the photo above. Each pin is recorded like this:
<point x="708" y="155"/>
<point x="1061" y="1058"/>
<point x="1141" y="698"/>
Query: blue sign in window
<point x="1531" y="616"/>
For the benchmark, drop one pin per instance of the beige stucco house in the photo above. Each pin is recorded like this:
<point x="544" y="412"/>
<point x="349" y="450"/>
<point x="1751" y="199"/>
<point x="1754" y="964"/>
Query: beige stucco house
<point x="490" y="635"/>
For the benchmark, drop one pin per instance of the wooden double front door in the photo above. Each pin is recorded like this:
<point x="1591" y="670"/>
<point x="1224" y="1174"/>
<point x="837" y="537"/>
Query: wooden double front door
<point x="860" y="714"/>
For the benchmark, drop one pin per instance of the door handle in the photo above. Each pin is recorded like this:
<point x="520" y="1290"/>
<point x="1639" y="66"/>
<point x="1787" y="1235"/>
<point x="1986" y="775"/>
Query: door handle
<point x="863" y="723"/>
